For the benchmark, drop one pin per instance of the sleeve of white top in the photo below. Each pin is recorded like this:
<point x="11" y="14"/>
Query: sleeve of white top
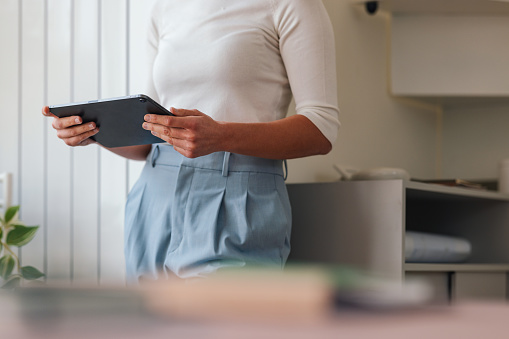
<point x="308" y="52"/>
<point x="152" y="43"/>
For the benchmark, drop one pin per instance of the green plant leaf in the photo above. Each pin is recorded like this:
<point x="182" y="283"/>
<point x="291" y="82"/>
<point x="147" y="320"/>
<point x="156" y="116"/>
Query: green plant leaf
<point x="1" y="245"/>
<point x="31" y="273"/>
<point x="10" y="213"/>
<point x="12" y="283"/>
<point x="21" y="235"/>
<point x="6" y="266"/>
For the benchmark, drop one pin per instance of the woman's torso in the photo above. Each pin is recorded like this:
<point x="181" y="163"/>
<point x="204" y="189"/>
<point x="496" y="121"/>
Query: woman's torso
<point x="221" y="57"/>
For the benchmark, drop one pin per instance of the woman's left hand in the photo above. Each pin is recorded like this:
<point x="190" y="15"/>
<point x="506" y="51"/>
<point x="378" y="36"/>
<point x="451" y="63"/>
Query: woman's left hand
<point x="191" y="132"/>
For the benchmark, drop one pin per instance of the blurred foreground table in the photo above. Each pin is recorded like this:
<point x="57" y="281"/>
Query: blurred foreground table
<point x="253" y="304"/>
<point x="470" y="320"/>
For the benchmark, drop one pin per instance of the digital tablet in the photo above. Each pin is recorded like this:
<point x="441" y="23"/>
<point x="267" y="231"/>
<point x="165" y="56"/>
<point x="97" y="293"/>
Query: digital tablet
<point x="119" y="119"/>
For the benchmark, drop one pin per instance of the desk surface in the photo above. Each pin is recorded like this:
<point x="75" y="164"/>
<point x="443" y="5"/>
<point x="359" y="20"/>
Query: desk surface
<point x="473" y="320"/>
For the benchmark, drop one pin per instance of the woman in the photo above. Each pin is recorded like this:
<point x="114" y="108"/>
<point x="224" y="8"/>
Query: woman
<point x="212" y="194"/>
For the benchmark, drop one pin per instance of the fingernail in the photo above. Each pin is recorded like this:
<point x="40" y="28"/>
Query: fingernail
<point x="91" y="125"/>
<point x="145" y="126"/>
<point x="77" y="120"/>
<point x="147" y="117"/>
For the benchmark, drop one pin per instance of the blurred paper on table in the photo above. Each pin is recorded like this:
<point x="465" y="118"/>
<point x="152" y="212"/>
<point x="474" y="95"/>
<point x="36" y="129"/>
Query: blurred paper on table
<point x="253" y="293"/>
<point x="303" y="294"/>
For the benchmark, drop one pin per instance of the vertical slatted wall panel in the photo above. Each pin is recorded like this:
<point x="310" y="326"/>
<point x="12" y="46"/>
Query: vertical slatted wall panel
<point x="59" y="51"/>
<point x="32" y="167"/>
<point x="86" y="159"/>
<point x="9" y="91"/>
<point x="113" y="168"/>
<point x="58" y="190"/>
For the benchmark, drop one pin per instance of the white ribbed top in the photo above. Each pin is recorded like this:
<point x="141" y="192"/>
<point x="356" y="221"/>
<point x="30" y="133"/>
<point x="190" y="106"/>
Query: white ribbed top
<point x="241" y="60"/>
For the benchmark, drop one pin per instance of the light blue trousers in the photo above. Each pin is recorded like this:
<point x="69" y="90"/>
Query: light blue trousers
<point x="189" y="217"/>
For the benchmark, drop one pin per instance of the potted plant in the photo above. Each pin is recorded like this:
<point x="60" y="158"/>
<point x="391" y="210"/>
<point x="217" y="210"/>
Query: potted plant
<point x="14" y="233"/>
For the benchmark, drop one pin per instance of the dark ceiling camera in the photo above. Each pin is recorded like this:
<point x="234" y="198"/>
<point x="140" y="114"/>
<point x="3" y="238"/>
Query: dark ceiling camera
<point x="371" y="7"/>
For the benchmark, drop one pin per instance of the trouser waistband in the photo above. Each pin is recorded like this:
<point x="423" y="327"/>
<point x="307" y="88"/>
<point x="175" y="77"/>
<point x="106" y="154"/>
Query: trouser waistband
<point x="165" y="155"/>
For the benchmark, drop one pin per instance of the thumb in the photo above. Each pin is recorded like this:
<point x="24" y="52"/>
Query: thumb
<point x="180" y="112"/>
<point x="47" y="113"/>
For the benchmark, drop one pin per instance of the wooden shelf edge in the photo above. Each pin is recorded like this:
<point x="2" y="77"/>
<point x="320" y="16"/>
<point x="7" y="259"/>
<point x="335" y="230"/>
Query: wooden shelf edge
<point x="449" y="7"/>
<point x="463" y="267"/>
<point x="457" y="191"/>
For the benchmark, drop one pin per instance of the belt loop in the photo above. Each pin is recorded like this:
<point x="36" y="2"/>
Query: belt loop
<point x="286" y="169"/>
<point x="155" y="155"/>
<point x="226" y="162"/>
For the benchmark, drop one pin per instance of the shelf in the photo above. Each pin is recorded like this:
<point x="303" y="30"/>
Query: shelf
<point x="363" y="223"/>
<point x="461" y="7"/>
<point x="456" y="267"/>
<point x="459" y="100"/>
<point x="424" y="190"/>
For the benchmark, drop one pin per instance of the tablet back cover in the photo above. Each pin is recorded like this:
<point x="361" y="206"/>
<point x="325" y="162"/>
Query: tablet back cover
<point x="119" y="119"/>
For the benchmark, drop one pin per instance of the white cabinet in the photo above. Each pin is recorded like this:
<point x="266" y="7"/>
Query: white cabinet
<point x="362" y="223"/>
<point x="449" y="57"/>
<point x="449" y="51"/>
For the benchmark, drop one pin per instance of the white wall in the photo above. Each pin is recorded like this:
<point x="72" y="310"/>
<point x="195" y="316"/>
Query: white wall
<point x="56" y="51"/>
<point x="476" y="139"/>
<point x="377" y="129"/>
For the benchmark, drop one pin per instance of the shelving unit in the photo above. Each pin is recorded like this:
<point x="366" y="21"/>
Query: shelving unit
<point x="449" y="52"/>
<point x="363" y="223"/>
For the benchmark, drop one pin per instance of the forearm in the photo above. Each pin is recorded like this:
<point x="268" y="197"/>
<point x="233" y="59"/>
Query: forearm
<point x="292" y="137"/>
<point x="132" y="152"/>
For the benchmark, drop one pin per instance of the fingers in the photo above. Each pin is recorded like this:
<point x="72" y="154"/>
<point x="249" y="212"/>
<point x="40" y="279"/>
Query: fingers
<point x="180" y="112"/>
<point x="176" y="121"/>
<point x="81" y="139"/>
<point x="61" y="123"/>
<point x="185" y="152"/>
<point x="71" y="130"/>
<point x="191" y="132"/>
<point x="163" y="130"/>
<point x="74" y="131"/>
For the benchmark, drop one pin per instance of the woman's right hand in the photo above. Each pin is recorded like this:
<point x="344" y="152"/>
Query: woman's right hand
<point x="72" y="130"/>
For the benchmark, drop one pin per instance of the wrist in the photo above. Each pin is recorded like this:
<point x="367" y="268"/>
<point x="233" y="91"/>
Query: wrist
<point x="226" y="135"/>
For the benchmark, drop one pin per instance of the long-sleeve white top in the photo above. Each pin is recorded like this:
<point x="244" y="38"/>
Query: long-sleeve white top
<point x="242" y="60"/>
